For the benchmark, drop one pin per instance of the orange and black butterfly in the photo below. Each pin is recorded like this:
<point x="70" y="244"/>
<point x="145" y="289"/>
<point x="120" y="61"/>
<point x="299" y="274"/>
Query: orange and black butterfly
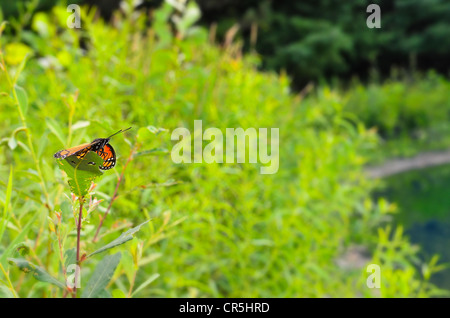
<point x="100" y="145"/>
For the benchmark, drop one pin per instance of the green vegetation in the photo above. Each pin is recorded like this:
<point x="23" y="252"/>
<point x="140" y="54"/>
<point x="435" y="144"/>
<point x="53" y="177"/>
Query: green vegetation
<point x="423" y="209"/>
<point x="313" y="40"/>
<point x="218" y="230"/>
<point x="410" y="115"/>
<point x="321" y="39"/>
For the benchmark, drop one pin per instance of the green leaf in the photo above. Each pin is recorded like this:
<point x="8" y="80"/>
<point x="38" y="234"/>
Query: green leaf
<point x="38" y="272"/>
<point x="117" y="293"/>
<point x="146" y="133"/>
<point x="70" y="257"/>
<point x="6" y="215"/>
<point x="42" y="144"/>
<point x="20" y="69"/>
<point x="80" y="124"/>
<point x="8" y="193"/>
<point x="22" y="98"/>
<point x="42" y="25"/>
<point x="123" y="238"/>
<point x="190" y="15"/>
<point x="101" y="276"/>
<point x="19" y="238"/>
<point x="23" y="146"/>
<point x="81" y="172"/>
<point x="2" y="27"/>
<point x="155" y="130"/>
<point x="145" y="284"/>
<point x="5" y="292"/>
<point x="12" y="143"/>
<point x="103" y="294"/>
<point x="55" y="129"/>
<point x="15" y="53"/>
<point x="21" y="249"/>
<point x="152" y="152"/>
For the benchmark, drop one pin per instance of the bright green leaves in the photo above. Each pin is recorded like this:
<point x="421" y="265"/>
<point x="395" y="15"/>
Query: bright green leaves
<point x="124" y="237"/>
<point x="18" y="239"/>
<point x="42" y="25"/>
<point x="190" y="13"/>
<point x="148" y="133"/>
<point x="101" y="276"/>
<point x="105" y="269"/>
<point x="22" y="99"/>
<point x="117" y="293"/>
<point x="6" y="215"/>
<point x="38" y="272"/>
<point x="146" y="136"/>
<point x="81" y="172"/>
<point x="55" y="128"/>
<point x="2" y="27"/>
<point x="15" y="53"/>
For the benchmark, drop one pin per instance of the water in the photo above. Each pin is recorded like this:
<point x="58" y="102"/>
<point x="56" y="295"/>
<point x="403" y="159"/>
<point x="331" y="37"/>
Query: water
<point x="423" y="199"/>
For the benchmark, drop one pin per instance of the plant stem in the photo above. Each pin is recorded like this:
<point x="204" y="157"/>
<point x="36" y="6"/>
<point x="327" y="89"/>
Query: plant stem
<point x="130" y="291"/>
<point x="114" y="197"/>
<point x="61" y="257"/>
<point x="11" y="288"/>
<point x="80" y="215"/>
<point x="107" y="210"/>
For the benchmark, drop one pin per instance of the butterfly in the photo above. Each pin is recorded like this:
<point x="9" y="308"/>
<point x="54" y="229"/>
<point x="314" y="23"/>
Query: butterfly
<point x="100" y="145"/>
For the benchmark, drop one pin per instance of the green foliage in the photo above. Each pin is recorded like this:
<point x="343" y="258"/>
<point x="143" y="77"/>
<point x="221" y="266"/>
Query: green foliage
<point x="101" y="276"/>
<point x="81" y="172"/>
<point x="411" y="115"/>
<point x="70" y="257"/>
<point x="22" y="98"/>
<point x="6" y="216"/>
<point x="423" y="209"/>
<point x="5" y="292"/>
<point x="217" y="230"/>
<point x="321" y="39"/>
<point x="145" y="284"/>
<point x="37" y="272"/>
<point x="123" y="238"/>
<point x="18" y="239"/>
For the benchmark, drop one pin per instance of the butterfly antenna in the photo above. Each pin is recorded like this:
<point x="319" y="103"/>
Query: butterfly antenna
<point x="120" y="131"/>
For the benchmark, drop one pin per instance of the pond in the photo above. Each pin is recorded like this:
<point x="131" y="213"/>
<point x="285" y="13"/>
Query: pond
<point x="423" y="199"/>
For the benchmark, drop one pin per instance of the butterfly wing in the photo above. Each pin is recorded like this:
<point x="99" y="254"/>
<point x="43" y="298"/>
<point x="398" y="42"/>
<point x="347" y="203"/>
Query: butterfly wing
<point x="108" y="155"/>
<point x="100" y="146"/>
<point x="80" y="151"/>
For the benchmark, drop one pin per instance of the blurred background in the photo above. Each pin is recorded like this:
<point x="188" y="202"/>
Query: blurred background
<point x="350" y="102"/>
<point x="318" y="40"/>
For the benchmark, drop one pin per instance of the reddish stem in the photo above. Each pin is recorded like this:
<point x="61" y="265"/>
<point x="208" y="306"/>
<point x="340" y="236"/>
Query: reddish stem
<point x="114" y="197"/>
<point x="80" y="215"/>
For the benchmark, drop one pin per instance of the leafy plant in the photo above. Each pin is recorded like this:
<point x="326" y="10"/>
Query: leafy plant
<point x="215" y="230"/>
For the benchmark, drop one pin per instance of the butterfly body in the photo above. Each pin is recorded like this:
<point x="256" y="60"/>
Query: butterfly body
<point x="100" y="146"/>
